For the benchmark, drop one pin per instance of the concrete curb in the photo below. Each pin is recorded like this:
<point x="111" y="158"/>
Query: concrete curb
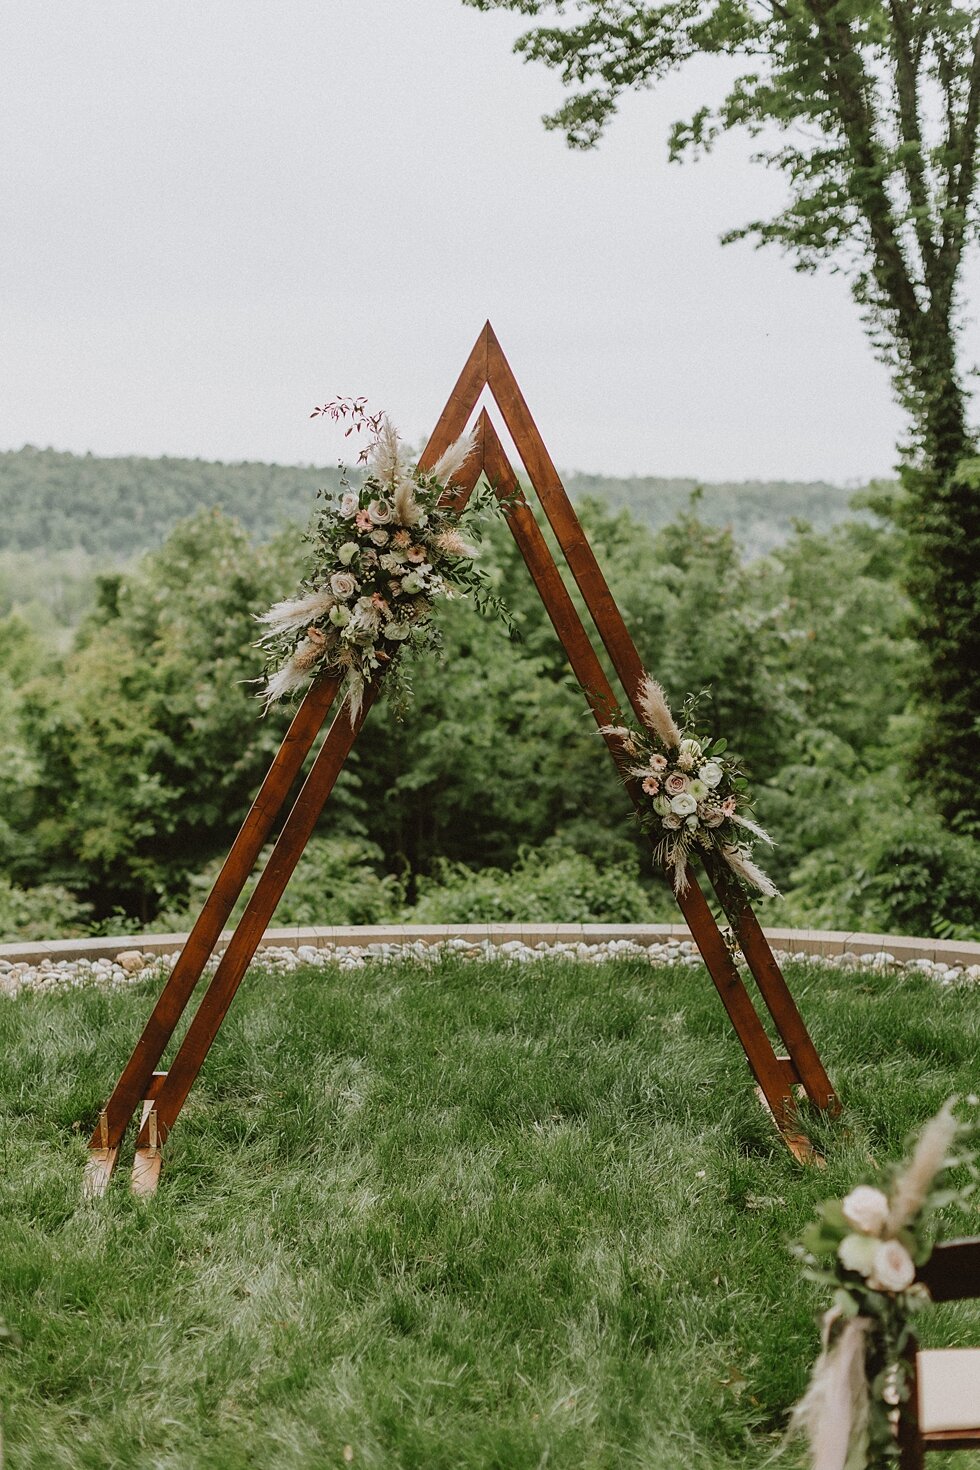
<point x="825" y="942"/>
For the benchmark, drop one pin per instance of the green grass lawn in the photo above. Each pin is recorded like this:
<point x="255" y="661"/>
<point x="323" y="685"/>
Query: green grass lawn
<point x="473" y="1215"/>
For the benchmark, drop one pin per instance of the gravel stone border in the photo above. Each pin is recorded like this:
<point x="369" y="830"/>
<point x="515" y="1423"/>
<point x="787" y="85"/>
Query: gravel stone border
<point x="119" y="967"/>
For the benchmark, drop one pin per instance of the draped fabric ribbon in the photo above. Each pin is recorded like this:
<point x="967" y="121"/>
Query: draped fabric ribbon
<point x="833" y="1413"/>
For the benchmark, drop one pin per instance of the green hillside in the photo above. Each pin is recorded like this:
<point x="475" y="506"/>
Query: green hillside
<point x="111" y="508"/>
<point x="762" y="513"/>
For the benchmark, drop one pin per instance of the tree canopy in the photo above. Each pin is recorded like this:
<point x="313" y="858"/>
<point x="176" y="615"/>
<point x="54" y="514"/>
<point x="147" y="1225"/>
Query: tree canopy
<point x="870" y="109"/>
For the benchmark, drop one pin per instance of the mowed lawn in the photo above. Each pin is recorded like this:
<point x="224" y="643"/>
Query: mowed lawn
<point x="467" y="1215"/>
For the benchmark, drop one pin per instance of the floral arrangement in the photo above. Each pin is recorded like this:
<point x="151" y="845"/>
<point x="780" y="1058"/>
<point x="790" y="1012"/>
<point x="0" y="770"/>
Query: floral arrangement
<point x="383" y="553"/>
<point x="867" y="1247"/>
<point x="696" y="792"/>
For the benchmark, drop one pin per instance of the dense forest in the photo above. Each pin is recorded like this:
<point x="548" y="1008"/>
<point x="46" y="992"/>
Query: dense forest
<point x="131" y="739"/>
<point x="115" y="507"/>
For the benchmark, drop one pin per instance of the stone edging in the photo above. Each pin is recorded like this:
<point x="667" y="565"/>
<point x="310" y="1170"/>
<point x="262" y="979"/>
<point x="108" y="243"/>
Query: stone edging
<point x="826" y="943"/>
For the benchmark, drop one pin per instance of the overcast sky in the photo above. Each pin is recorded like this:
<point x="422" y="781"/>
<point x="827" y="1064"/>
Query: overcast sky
<point x="213" y="216"/>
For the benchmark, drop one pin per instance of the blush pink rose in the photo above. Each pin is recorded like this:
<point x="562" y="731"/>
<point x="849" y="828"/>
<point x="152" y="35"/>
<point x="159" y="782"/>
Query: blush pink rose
<point x="676" y="783"/>
<point x="893" y="1268"/>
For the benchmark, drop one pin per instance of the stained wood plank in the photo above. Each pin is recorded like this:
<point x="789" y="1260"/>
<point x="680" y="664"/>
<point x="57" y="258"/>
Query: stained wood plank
<point x="98" y="1171"/>
<point x="952" y="1272"/>
<point x="147" y="1161"/>
<point x="766" y="1067"/>
<point x="460" y="404"/>
<point x="619" y="644"/>
<point x="773" y="988"/>
<point x="287" y="851"/>
<point x="248" y="844"/>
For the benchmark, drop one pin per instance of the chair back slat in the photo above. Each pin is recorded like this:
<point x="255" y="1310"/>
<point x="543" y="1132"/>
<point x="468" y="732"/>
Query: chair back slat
<point x="952" y="1272"/>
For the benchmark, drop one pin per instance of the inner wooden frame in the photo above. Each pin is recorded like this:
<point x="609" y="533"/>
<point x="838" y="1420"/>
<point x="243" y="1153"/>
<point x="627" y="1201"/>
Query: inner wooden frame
<point x="162" y="1094"/>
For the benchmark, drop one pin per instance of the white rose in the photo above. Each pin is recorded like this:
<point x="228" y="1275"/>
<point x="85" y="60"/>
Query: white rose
<point x="683" y="805"/>
<point x="857" y="1253"/>
<point x="671" y="822"/>
<point x="411" y="583"/>
<point x="866" y="1209"/>
<point x="713" y="817"/>
<point x="342" y="585"/>
<point x="691" y="823"/>
<point x="711" y="774"/>
<point x="893" y="1268"/>
<point x="380" y="536"/>
<point x="348" y="504"/>
<point x="347" y="552"/>
<point x="380" y="512"/>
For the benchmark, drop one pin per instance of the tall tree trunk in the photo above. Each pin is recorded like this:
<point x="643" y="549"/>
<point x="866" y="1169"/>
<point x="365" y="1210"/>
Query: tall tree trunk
<point x="942" y="517"/>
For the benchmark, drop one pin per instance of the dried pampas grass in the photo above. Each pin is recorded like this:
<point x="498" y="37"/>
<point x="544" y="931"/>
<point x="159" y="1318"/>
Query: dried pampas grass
<point x="294" y="613"/>
<point x="454" y="458"/>
<point x="928" y="1157"/>
<point x="656" y="712"/>
<point x="752" y="827"/>
<point x="453" y="544"/>
<point x="294" y="672"/>
<point x="741" y="864"/>
<point x="834" y="1411"/>
<point x="386" y="453"/>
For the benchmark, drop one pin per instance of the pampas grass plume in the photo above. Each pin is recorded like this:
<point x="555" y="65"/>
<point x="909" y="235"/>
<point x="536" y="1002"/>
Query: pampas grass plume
<point x="452" y="543"/>
<point x="743" y="867"/>
<point x="833" y="1413"/>
<point x="656" y="712"/>
<point x="454" y="458"/>
<point x="294" y="613"/>
<point x="928" y="1157"/>
<point x="386" y="453"/>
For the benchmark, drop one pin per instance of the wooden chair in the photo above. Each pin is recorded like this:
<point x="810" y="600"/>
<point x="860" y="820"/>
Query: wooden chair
<point x="942" y="1411"/>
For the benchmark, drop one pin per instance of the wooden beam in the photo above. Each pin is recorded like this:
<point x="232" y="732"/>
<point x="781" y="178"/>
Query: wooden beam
<point x="235" y="871"/>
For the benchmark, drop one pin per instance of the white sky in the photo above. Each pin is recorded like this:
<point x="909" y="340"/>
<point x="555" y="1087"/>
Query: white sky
<point x="213" y="216"/>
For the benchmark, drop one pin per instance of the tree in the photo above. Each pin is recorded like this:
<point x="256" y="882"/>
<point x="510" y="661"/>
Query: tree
<point x="871" y="111"/>
<point x="147" y="748"/>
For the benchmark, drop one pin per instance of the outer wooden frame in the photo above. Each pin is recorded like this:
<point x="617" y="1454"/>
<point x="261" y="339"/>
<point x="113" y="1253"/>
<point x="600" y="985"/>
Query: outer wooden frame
<point x="163" y="1093"/>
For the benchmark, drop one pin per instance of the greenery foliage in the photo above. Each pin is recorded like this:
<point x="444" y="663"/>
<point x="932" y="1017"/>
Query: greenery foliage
<point x="336" y="881"/>
<point x="544" y="883"/>
<point x="82" y="511"/>
<point x="127" y="760"/>
<point x="115" y="507"/>
<point x="41" y="912"/>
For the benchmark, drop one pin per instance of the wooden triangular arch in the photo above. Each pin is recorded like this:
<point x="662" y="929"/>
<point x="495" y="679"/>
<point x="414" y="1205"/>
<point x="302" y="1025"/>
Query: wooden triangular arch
<point x="162" y="1094"/>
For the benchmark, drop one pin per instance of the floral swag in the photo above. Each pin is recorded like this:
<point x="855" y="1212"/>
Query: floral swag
<point x="695" y="793"/>
<point x="867" y="1247"/>
<point x="382" y="557"/>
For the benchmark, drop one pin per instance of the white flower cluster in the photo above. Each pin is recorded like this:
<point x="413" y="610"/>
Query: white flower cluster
<point x="884" y="1262"/>
<point x="383" y="556"/>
